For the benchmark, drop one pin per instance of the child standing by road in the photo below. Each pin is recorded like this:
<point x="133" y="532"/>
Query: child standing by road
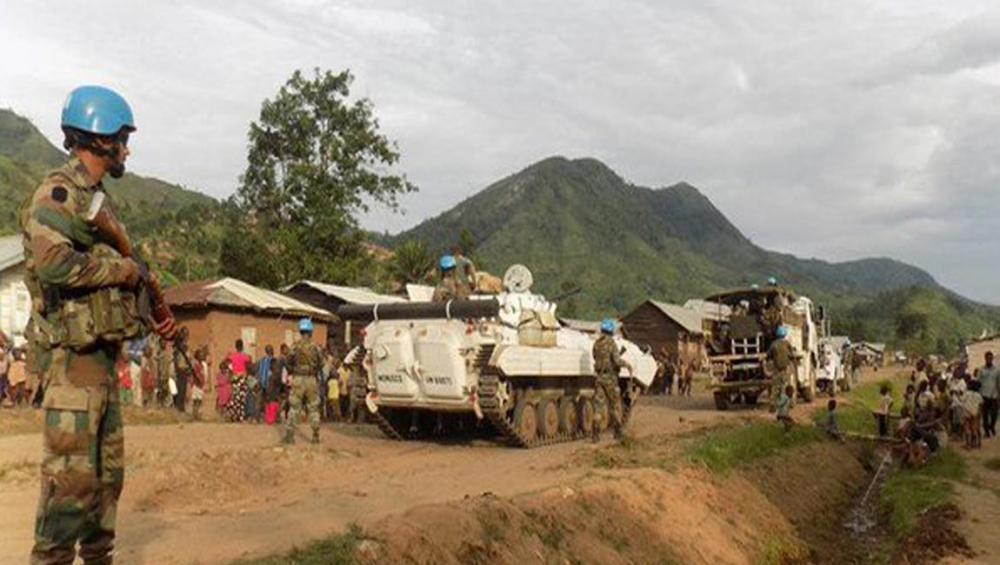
<point x="831" y="428"/>
<point x="784" y="408"/>
<point x="884" y="408"/>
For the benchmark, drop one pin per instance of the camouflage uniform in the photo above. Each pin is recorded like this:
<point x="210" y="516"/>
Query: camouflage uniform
<point x="304" y="363"/>
<point x="781" y="357"/>
<point x="450" y="289"/>
<point x="82" y="469"/>
<point x="607" y="364"/>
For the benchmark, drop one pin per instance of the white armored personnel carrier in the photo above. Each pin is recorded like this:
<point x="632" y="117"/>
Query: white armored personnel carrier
<point x="500" y="363"/>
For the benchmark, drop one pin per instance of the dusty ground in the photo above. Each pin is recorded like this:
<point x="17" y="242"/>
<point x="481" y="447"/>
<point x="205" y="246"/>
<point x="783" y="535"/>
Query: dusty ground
<point x="979" y="502"/>
<point x="211" y="492"/>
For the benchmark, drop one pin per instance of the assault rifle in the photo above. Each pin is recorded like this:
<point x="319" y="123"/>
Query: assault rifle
<point x="102" y="219"/>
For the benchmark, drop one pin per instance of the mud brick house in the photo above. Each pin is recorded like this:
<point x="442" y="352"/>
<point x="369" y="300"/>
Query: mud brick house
<point x="329" y="297"/>
<point x="218" y="312"/>
<point x="660" y="325"/>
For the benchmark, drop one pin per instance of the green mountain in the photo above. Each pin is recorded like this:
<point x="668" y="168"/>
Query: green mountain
<point x="578" y="223"/>
<point x="175" y="226"/>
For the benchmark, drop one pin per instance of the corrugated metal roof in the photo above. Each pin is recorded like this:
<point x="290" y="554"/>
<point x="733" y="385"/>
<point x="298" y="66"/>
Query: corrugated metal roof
<point x="587" y="326"/>
<point x="689" y="319"/>
<point x="11" y="251"/>
<point x="710" y="310"/>
<point x="350" y="294"/>
<point x="238" y="294"/>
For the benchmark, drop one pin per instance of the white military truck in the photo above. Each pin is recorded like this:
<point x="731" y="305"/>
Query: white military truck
<point x="738" y="344"/>
<point x="500" y="363"/>
<point x="830" y="375"/>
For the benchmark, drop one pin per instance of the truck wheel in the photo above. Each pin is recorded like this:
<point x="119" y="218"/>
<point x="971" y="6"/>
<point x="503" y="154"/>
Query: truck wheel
<point x="750" y="398"/>
<point x="808" y="393"/>
<point x="585" y="415"/>
<point x="721" y="400"/>
<point x="525" y="420"/>
<point x="568" y="420"/>
<point x="604" y="413"/>
<point x="548" y="418"/>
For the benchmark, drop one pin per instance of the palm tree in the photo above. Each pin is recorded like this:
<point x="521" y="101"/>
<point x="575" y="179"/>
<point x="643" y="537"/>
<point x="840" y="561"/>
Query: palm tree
<point x="411" y="262"/>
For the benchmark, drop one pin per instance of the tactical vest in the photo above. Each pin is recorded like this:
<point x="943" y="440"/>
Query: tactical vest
<point x="79" y="318"/>
<point x="305" y="360"/>
<point x="604" y="356"/>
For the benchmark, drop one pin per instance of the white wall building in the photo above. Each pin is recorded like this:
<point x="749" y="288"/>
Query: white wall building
<point x="15" y="302"/>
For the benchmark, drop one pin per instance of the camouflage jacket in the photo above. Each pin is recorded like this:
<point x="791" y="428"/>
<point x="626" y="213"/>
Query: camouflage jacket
<point x="58" y="244"/>
<point x="450" y="289"/>
<point x="780" y="355"/>
<point x="607" y="357"/>
<point x="305" y="359"/>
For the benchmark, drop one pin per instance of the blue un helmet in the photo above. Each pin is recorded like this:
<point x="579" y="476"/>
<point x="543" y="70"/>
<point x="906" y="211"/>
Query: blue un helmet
<point x="608" y="326"/>
<point x="782" y="331"/>
<point x="305" y="325"/>
<point x="447" y="262"/>
<point x="97" y="110"/>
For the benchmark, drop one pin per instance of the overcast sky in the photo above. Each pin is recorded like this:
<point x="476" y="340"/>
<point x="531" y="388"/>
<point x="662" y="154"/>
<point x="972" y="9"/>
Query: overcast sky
<point x="838" y="129"/>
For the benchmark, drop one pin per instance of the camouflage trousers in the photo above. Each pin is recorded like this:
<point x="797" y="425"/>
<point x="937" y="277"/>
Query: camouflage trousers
<point x="607" y="394"/>
<point x="83" y="457"/>
<point x="779" y="381"/>
<point x="304" y="393"/>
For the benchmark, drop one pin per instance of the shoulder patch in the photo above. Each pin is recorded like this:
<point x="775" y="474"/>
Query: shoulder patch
<point x="60" y="194"/>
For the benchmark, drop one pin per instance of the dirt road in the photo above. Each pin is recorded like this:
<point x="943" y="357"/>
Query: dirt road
<point x="209" y="493"/>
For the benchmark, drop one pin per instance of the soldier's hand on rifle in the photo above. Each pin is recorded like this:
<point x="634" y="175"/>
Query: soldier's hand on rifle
<point x="135" y="274"/>
<point x="167" y="329"/>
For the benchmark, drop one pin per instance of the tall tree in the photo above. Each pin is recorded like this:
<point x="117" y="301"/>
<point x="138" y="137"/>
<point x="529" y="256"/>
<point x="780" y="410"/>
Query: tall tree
<point x="411" y="262"/>
<point x="316" y="161"/>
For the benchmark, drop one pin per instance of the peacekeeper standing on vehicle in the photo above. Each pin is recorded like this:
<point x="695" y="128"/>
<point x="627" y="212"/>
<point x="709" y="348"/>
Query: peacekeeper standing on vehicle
<point x="304" y="363"/>
<point x="83" y="307"/>
<point x="450" y="288"/>
<point x="781" y="358"/>
<point x="608" y="363"/>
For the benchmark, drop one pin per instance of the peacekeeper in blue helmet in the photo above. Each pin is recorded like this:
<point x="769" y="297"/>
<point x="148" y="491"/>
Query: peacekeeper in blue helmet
<point x="304" y="363"/>
<point x="781" y="363"/>
<point x="608" y="363"/>
<point x="75" y="280"/>
<point x="450" y="287"/>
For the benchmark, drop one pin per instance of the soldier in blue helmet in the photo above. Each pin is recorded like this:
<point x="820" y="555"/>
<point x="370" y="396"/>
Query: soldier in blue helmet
<point x="75" y="279"/>
<point x="450" y="287"/>
<point x="608" y="363"/>
<point x="304" y="364"/>
<point x="781" y="361"/>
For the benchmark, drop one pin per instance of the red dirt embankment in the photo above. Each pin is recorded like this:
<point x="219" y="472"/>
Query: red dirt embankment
<point x="645" y="515"/>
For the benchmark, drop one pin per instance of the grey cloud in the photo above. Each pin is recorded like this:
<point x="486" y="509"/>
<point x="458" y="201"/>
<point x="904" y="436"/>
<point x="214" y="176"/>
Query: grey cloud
<point x="865" y="127"/>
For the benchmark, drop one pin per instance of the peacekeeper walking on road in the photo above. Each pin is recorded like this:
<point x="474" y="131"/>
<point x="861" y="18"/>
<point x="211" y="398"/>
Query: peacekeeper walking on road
<point x="449" y="288"/>
<point x="782" y="359"/>
<point x="83" y="307"/>
<point x="608" y="363"/>
<point x="304" y="363"/>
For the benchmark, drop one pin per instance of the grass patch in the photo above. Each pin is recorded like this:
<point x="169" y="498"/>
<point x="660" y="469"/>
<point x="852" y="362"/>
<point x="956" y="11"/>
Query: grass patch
<point x="854" y="408"/>
<point x="340" y="549"/>
<point x="780" y="550"/>
<point x="723" y="450"/>
<point x="907" y="493"/>
<point x="993" y="464"/>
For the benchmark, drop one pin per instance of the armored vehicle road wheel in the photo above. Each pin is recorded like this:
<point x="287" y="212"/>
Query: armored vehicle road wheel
<point x="721" y="400"/>
<point x="568" y="420"/>
<point x="585" y="415"/>
<point x="525" y="421"/>
<point x="548" y="418"/>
